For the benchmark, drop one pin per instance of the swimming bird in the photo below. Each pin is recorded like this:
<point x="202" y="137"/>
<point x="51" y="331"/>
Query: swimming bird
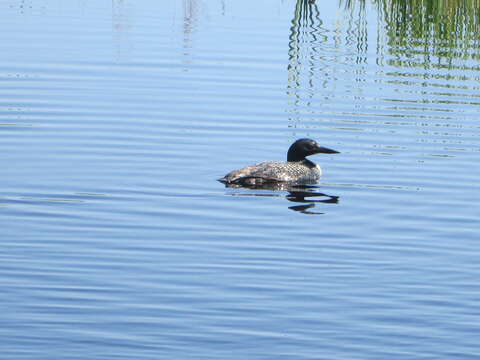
<point x="297" y="169"/>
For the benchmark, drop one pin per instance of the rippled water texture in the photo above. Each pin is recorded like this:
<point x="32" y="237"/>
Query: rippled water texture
<point x="117" y="242"/>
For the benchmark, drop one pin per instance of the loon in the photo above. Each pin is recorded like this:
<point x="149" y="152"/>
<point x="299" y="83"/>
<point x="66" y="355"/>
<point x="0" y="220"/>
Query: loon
<point x="297" y="169"/>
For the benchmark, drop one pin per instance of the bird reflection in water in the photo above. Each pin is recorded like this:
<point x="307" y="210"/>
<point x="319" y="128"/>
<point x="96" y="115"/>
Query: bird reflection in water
<point x="307" y="195"/>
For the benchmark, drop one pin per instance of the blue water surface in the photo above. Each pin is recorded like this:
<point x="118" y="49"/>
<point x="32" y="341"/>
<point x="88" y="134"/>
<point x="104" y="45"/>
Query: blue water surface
<point x="117" y="242"/>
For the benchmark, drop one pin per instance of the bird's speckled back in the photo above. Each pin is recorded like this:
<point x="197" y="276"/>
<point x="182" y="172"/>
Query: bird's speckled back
<point x="300" y="172"/>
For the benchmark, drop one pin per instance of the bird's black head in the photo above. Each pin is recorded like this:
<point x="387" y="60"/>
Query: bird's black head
<point x="305" y="147"/>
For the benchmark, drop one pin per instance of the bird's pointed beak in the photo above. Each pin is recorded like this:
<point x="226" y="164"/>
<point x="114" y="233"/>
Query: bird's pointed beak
<point x="324" y="150"/>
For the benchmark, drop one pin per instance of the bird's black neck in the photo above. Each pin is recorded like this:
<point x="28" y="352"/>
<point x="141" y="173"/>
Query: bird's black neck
<point x="308" y="163"/>
<point x="294" y="156"/>
<point x="304" y="161"/>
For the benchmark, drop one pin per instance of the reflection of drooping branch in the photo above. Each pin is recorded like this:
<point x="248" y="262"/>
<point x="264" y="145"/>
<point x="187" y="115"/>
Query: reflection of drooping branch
<point x="320" y="58"/>
<point x="191" y="10"/>
<point x="121" y="26"/>
<point x="305" y="24"/>
<point x="306" y="34"/>
<point x="419" y="30"/>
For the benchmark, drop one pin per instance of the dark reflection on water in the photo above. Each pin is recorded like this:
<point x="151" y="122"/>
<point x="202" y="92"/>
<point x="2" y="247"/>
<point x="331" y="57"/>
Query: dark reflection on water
<point x="309" y="195"/>
<point x="307" y="198"/>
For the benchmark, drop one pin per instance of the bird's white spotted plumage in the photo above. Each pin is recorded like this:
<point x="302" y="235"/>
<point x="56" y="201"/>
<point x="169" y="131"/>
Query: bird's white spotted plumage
<point x="296" y="169"/>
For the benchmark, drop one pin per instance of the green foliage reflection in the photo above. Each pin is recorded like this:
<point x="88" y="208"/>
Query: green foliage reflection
<point x="427" y="29"/>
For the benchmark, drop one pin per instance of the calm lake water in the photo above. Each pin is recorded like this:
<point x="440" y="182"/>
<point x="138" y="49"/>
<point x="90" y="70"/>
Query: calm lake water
<point x="117" y="242"/>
